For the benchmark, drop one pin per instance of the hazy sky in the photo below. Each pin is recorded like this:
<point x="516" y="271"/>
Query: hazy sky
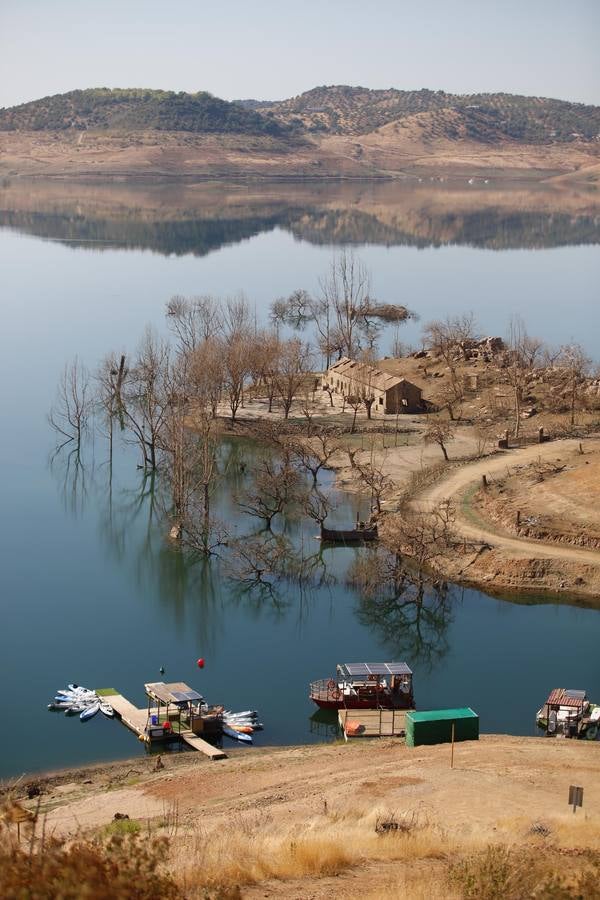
<point x="272" y="49"/>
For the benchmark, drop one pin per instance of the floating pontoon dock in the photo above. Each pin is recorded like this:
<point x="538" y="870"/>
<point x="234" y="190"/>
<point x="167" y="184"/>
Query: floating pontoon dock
<point x="372" y="722"/>
<point x="137" y="721"/>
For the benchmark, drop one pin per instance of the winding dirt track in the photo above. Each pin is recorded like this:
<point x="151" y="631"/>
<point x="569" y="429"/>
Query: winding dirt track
<point x="458" y="482"/>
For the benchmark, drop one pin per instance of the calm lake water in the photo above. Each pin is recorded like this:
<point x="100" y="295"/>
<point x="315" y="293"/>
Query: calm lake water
<point x="90" y="590"/>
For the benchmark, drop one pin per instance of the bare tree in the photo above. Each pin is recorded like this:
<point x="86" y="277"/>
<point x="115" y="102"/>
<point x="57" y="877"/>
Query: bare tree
<point x="451" y="395"/>
<point x="521" y="357"/>
<point x="439" y="433"/>
<point x="345" y="296"/>
<point x="264" y="362"/>
<point x="145" y="397"/>
<point x="109" y="378"/>
<point x="193" y="320"/>
<point x="447" y="337"/>
<point x="207" y="373"/>
<point x="317" y="506"/>
<point x="576" y="365"/>
<point x="69" y="415"/>
<point x="292" y="367"/>
<point x="275" y="485"/>
<point x="399" y="582"/>
<point x="344" y="314"/>
<point x="354" y="401"/>
<point x="426" y="537"/>
<point x="315" y="454"/>
<point x="375" y="479"/>
<point x="237" y="365"/>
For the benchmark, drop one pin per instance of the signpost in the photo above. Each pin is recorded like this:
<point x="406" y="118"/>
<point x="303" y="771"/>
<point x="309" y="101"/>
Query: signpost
<point x="575" y="797"/>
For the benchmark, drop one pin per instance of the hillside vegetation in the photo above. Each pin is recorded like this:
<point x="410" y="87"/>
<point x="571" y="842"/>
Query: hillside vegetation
<point x="337" y="110"/>
<point x="138" y="110"/>
<point x="355" y="110"/>
<point x="329" y="132"/>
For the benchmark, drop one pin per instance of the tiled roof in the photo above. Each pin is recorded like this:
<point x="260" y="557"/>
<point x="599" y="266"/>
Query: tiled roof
<point x="564" y="697"/>
<point x="365" y="374"/>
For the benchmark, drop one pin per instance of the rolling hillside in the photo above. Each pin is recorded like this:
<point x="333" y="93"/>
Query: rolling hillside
<point x="339" y="132"/>
<point x="354" y="110"/>
<point x="134" y="109"/>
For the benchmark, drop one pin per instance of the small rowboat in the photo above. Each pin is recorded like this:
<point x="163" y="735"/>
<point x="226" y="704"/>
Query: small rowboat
<point x="106" y="709"/>
<point x="241" y="729"/>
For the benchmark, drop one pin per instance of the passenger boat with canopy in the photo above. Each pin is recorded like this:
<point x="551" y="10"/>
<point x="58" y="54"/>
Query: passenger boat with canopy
<point x="365" y="686"/>
<point x="569" y="713"/>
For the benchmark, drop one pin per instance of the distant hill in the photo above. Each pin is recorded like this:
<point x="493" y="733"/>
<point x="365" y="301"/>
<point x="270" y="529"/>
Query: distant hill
<point x="336" y="110"/>
<point x="328" y="132"/>
<point x="138" y="109"/>
<point x="340" y="109"/>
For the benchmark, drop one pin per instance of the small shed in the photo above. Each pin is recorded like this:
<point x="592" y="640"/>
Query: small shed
<point x="435" y="726"/>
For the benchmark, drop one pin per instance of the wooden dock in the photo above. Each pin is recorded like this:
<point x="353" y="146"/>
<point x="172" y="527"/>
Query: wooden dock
<point x="136" y="720"/>
<point x="373" y="722"/>
<point x="203" y="746"/>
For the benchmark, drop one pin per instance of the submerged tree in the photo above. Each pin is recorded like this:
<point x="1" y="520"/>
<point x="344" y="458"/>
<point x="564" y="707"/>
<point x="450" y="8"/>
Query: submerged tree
<point x="146" y="397"/>
<point x="315" y="453"/>
<point x="401" y="591"/>
<point x="69" y="414"/>
<point x="275" y="486"/>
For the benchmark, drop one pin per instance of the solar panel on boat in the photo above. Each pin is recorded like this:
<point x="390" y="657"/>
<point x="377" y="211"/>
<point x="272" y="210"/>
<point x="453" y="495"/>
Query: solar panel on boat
<point x="354" y="670"/>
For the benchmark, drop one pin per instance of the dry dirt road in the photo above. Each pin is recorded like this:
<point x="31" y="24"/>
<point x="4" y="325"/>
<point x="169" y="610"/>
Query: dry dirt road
<point x="458" y="482"/>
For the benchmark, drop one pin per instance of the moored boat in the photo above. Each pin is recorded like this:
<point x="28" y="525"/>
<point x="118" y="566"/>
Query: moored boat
<point x="106" y="709"/>
<point x="90" y="711"/>
<point x="569" y="713"/>
<point x="349" y="535"/>
<point x="237" y="735"/>
<point x="365" y="686"/>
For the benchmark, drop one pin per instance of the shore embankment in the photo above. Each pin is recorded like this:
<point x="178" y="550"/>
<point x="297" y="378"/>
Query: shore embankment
<point x="332" y="798"/>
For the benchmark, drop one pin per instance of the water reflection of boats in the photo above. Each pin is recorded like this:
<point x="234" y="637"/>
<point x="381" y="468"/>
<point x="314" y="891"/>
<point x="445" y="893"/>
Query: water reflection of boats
<point x="568" y="713"/>
<point x="365" y="686"/>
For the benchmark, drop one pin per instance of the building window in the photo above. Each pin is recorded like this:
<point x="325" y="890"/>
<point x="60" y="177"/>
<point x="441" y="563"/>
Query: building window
<point x="381" y="401"/>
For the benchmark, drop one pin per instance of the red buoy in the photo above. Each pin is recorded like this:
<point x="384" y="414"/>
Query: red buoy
<point x="200" y="663"/>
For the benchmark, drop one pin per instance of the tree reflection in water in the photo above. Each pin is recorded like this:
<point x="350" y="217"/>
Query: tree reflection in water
<point x="268" y="572"/>
<point x="67" y="467"/>
<point x="410" y="611"/>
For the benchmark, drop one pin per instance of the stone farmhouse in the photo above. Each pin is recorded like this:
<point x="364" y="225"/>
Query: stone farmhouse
<point x="391" y="394"/>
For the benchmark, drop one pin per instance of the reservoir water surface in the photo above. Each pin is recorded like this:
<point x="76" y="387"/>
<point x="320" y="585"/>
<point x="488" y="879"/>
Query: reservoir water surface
<point x="90" y="590"/>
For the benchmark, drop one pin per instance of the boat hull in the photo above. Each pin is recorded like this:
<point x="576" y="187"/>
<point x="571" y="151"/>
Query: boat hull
<point x="383" y="702"/>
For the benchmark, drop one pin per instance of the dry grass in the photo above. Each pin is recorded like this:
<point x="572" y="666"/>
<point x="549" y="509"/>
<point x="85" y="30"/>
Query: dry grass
<point x="257" y="849"/>
<point x="123" y="867"/>
<point x="519" y="872"/>
<point x="558" y="861"/>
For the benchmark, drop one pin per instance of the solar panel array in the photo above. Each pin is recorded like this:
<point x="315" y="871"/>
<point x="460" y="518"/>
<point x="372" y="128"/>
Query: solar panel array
<point x="354" y="670"/>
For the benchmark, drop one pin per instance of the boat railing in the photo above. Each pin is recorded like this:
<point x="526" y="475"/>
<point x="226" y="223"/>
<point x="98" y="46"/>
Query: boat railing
<point x="326" y="689"/>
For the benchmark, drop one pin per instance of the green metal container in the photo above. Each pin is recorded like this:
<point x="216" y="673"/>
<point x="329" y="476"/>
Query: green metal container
<point x="435" y="726"/>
